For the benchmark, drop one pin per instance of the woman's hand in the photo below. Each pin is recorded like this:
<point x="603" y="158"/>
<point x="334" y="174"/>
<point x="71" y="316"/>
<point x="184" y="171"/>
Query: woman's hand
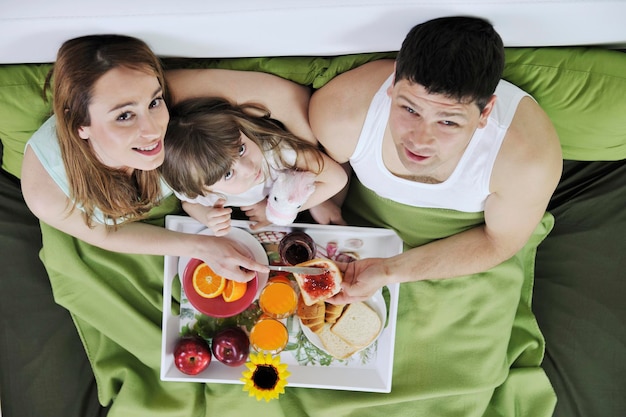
<point x="227" y="258"/>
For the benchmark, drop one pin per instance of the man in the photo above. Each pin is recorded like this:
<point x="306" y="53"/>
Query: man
<point x="438" y="129"/>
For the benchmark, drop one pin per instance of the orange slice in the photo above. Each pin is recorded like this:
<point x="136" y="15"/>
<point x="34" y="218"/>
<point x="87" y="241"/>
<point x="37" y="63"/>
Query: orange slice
<point x="206" y="282"/>
<point x="234" y="290"/>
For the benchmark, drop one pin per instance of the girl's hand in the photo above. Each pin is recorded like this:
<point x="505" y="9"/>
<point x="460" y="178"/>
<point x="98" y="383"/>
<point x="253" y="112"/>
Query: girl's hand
<point x="217" y="218"/>
<point x="327" y="212"/>
<point x="256" y="214"/>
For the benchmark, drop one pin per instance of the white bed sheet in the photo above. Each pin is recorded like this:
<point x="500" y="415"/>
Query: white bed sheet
<point x="32" y="30"/>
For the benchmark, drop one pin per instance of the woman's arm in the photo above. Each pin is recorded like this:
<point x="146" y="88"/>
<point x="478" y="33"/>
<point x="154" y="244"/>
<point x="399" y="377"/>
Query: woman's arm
<point x="48" y="202"/>
<point x="287" y="100"/>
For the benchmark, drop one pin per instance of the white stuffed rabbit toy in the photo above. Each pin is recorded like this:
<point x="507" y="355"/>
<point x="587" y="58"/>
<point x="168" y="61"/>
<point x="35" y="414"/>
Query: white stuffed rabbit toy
<point x="289" y="192"/>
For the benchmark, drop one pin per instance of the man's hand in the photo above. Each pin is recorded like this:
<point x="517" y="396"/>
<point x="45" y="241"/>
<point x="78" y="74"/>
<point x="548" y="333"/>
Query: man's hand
<point x="361" y="280"/>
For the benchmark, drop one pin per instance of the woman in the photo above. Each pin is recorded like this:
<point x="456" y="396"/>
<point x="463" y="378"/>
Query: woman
<point x="90" y="171"/>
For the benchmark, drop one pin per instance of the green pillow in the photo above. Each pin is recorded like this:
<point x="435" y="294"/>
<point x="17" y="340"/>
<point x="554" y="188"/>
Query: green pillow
<point x="22" y="110"/>
<point x="311" y="71"/>
<point x="302" y="70"/>
<point x="583" y="90"/>
<point x="343" y="63"/>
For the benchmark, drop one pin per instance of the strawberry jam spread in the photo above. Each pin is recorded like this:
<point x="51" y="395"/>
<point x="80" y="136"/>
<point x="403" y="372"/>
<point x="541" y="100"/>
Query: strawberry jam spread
<point x="319" y="285"/>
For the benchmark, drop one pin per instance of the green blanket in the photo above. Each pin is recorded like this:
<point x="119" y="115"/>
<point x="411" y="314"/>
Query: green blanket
<point x="464" y="347"/>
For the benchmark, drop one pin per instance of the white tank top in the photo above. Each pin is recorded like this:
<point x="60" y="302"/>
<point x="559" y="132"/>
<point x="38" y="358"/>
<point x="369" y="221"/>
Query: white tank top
<point x="466" y="189"/>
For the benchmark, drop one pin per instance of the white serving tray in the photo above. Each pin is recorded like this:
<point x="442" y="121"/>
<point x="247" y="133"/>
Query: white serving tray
<point x="369" y="370"/>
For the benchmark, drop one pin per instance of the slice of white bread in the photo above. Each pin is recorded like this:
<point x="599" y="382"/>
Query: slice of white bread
<point x="358" y="325"/>
<point x="319" y="287"/>
<point x="334" y="345"/>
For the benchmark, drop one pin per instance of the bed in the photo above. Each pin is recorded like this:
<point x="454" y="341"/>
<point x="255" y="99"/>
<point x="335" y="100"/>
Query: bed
<point x="58" y="357"/>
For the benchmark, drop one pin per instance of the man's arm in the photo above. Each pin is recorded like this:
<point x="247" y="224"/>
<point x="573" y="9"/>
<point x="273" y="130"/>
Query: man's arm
<point x="526" y="173"/>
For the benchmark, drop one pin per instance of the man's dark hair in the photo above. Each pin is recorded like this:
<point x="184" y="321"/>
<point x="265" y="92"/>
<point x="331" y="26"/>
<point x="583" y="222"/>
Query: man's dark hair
<point x="459" y="57"/>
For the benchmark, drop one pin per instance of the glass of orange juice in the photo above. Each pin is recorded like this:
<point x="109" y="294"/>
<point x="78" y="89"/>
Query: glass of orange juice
<point x="269" y="335"/>
<point x="278" y="300"/>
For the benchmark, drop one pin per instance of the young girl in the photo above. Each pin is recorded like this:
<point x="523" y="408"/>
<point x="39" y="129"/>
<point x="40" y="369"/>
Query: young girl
<point x="219" y="154"/>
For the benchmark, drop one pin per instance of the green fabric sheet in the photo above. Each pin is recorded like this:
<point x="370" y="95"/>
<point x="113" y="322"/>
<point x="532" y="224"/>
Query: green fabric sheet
<point x="580" y="287"/>
<point x="468" y="346"/>
<point x="53" y="381"/>
<point x="483" y="324"/>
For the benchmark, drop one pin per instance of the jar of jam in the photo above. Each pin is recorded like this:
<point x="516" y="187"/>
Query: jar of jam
<point x="296" y="247"/>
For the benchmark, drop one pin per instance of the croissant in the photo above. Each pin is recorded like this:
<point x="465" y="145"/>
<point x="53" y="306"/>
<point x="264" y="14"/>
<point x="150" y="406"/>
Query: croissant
<point x="312" y="316"/>
<point x="332" y="312"/>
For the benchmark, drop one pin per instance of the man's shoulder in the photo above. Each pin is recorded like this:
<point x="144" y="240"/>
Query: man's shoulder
<point x="382" y="67"/>
<point x="531" y="145"/>
<point x="338" y="109"/>
<point x="362" y="81"/>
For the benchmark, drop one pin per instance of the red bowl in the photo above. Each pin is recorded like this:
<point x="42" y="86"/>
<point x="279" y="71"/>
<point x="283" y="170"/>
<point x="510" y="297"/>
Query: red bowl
<point x="216" y="307"/>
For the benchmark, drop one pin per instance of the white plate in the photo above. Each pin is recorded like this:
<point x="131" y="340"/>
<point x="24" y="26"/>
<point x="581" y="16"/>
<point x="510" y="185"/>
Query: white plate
<point x="248" y="241"/>
<point x="376" y="302"/>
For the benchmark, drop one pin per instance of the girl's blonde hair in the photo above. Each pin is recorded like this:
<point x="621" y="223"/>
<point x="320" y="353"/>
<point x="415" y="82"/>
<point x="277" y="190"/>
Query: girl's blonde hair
<point x="204" y="136"/>
<point x="80" y="64"/>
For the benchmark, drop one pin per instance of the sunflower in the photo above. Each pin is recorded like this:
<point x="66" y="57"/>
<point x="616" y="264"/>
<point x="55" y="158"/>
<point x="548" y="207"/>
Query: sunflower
<point x="266" y="377"/>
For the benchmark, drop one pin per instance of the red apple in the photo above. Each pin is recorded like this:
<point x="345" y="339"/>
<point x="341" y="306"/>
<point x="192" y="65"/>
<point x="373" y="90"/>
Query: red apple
<point x="192" y="355"/>
<point x="231" y="346"/>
